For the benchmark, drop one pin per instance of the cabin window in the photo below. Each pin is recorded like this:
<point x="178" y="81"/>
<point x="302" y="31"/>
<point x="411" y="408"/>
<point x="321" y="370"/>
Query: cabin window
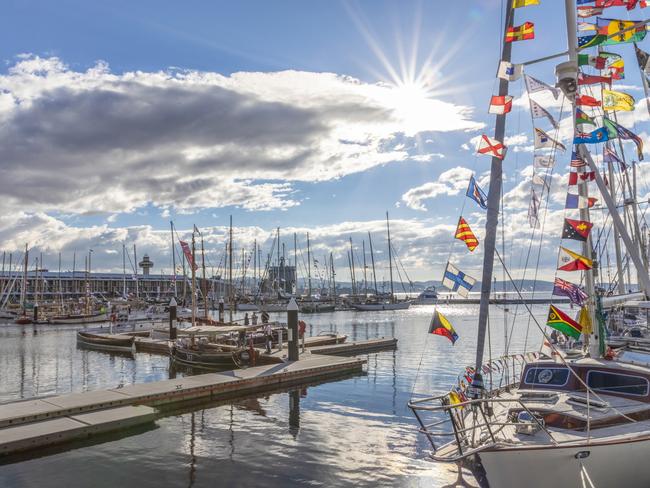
<point x="547" y="376"/>
<point x="617" y="383"/>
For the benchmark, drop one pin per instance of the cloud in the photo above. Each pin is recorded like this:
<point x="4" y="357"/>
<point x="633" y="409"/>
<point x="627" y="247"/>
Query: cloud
<point x="96" y="141"/>
<point x="450" y="182"/>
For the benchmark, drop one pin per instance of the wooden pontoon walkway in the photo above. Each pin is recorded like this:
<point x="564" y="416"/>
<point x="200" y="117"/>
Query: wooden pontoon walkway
<point x="39" y="422"/>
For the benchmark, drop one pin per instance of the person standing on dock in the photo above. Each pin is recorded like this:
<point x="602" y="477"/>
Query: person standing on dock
<point x="246" y="321"/>
<point x="254" y="318"/>
<point x="268" y="335"/>
<point x="265" y="317"/>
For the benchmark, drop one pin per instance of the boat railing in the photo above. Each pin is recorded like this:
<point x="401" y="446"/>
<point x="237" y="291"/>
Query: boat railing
<point x="461" y="427"/>
<point x="474" y="426"/>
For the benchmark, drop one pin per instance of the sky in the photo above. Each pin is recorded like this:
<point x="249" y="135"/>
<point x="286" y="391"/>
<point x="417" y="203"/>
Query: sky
<point x="119" y="117"/>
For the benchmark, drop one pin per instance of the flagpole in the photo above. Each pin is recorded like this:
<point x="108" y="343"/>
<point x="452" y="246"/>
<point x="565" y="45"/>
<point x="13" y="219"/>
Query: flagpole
<point x="591" y="339"/>
<point x="492" y="220"/>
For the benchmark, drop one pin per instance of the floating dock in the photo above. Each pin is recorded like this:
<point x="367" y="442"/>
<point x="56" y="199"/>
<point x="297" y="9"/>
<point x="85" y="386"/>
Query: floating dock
<point x="31" y="424"/>
<point x="358" y="347"/>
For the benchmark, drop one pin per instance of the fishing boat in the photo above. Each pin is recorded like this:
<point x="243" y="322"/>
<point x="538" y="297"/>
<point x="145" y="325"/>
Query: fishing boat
<point x="548" y="419"/>
<point x="211" y="356"/>
<point x="107" y="342"/>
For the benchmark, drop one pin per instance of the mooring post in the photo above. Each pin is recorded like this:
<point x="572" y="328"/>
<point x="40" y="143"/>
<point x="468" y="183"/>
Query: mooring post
<point x="172" y="319"/>
<point x="292" y="329"/>
<point x="221" y="309"/>
<point x="36" y="312"/>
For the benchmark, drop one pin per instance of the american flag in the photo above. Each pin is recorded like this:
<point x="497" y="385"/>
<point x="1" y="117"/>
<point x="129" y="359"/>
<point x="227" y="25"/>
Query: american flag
<point x="576" y="160"/>
<point x="567" y="289"/>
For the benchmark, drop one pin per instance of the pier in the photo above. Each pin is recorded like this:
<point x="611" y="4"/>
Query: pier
<point x="31" y="424"/>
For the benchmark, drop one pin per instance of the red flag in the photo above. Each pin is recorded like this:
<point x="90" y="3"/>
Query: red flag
<point x="584" y="79"/>
<point x="521" y="32"/>
<point x="500" y="105"/>
<point x="575" y="178"/>
<point x="188" y="254"/>
<point x="587" y="101"/>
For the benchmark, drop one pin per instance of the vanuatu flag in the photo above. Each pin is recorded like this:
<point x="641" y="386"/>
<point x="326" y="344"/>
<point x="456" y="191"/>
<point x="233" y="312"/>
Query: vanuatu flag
<point x="441" y="326"/>
<point x="465" y="234"/>
<point x="558" y="320"/>
<point x="577" y="230"/>
<point x="521" y="32"/>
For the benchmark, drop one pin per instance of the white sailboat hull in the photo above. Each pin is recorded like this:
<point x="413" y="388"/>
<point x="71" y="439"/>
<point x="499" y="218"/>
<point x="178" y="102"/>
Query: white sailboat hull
<point x="369" y="307"/>
<point x="620" y="463"/>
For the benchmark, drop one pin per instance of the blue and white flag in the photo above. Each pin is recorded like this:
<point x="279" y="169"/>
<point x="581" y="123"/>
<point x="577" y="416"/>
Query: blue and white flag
<point x="475" y="193"/>
<point x="456" y="280"/>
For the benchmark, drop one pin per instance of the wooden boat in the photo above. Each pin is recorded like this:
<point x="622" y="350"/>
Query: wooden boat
<point x="81" y="318"/>
<point x="117" y="343"/>
<point x="23" y="320"/>
<point x="316" y="307"/>
<point x="211" y="356"/>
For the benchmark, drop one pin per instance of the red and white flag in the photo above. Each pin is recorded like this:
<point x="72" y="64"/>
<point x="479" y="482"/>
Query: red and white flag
<point x="500" y="105"/>
<point x="188" y="254"/>
<point x="575" y="178"/>
<point x="491" y="147"/>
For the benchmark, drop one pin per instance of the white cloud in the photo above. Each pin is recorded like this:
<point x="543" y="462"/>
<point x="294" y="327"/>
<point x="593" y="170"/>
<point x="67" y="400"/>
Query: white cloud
<point x="96" y="141"/>
<point x="450" y="182"/>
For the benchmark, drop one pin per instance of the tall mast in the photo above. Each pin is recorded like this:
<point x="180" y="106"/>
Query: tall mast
<point x="308" y="267"/>
<point x="171" y="225"/>
<point x="60" y="284"/>
<point x="584" y="153"/>
<point x="617" y="238"/>
<point x="135" y="272"/>
<point x="372" y="260"/>
<point x="230" y="300"/>
<point x="277" y="271"/>
<point x="124" y="270"/>
<point x="23" y="289"/>
<point x="353" y="272"/>
<point x="365" y="279"/>
<point x="333" y="277"/>
<point x="204" y="282"/>
<point x="390" y="260"/>
<point x="494" y="197"/>
<point x="193" y="266"/>
<point x="254" y="265"/>
<point x="295" y="262"/>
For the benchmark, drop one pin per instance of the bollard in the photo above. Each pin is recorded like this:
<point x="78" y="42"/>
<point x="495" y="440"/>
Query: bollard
<point x="172" y="319"/>
<point x="292" y="329"/>
<point x="36" y="312"/>
<point x="221" y="309"/>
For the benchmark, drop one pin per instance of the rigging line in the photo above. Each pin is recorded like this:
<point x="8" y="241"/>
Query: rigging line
<point x="553" y="155"/>
<point x="562" y="359"/>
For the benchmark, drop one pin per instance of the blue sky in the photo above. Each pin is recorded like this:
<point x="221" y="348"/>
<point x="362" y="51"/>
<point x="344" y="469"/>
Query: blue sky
<point x="370" y="42"/>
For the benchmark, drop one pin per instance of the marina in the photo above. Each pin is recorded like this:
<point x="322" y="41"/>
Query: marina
<point x="325" y="244"/>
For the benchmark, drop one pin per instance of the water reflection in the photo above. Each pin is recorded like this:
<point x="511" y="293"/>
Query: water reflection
<point x="353" y="432"/>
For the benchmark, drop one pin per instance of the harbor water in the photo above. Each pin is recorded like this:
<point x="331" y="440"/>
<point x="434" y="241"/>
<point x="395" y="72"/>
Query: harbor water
<point x="356" y="431"/>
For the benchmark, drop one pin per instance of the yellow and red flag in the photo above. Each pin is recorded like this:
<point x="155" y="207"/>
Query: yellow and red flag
<point x="521" y="32"/>
<point x="465" y="234"/>
<point x="524" y="3"/>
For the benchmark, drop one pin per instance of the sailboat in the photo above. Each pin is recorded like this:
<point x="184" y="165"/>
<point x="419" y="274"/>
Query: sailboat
<point x="378" y="303"/>
<point x="551" y="421"/>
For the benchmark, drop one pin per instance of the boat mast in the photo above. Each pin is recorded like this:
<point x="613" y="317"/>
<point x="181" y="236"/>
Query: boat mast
<point x="372" y="260"/>
<point x="295" y="263"/>
<point x="171" y="225"/>
<point x="568" y="83"/>
<point x="135" y="272"/>
<point x="492" y="219"/>
<point x="390" y="260"/>
<point x="365" y="278"/>
<point x="617" y="238"/>
<point x="204" y="282"/>
<point x="23" y="288"/>
<point x="230" y="290"/>
<point x="123" y="271"/>
<point x="333" y="277"/>
<point x="353" y="272"/>
<point x="193" y="266"/>
<point x="308" y="267"/>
